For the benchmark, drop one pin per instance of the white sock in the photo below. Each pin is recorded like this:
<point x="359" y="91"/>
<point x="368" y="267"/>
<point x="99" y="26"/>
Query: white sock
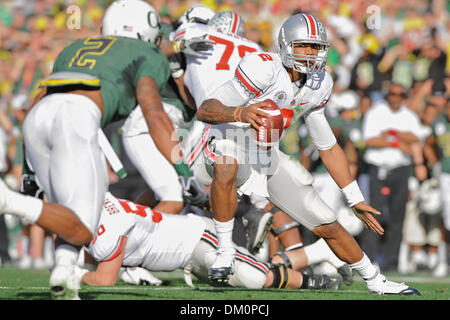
<point x="25" y="240"/>
<point x="225" y="233"/>
<point x="319" y="251"/>
<point x="26" y="207"/>
<point x="66" y="255"/>
<point x="442" y="251"/>
<point x="365" y="268"/>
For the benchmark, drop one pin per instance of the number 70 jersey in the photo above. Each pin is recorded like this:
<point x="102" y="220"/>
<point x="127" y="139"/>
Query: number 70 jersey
<point x="216" y="66"/>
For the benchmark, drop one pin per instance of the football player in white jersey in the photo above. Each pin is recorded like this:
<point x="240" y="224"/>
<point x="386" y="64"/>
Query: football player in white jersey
<point x="296" y="80"/>
<point x="133" y="235"/>
<point x="203" y="75"/>
<point x="229" y="48"/>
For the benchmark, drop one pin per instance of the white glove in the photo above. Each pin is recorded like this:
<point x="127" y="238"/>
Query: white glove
<point x="175" y="65"/>
<point x="139" y="276"/>
<point x="193" y="46"/>
<point x="193" y="191"/>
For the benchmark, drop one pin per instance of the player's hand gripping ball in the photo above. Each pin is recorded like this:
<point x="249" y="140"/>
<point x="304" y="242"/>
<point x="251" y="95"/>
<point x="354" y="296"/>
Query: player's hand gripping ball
<point x="269" y="134"/>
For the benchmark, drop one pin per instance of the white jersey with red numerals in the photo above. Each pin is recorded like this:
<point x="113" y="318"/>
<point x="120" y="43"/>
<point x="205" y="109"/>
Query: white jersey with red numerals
<point x="216" y="66"/>
<point x="154" y="240"/>
<point x="261" y="75"/>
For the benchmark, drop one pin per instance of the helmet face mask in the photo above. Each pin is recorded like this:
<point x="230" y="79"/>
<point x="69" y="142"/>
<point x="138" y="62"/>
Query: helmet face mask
<point x="132" y="19"/>
<point x="303" y="29"/>
<point x="228" y="22"/>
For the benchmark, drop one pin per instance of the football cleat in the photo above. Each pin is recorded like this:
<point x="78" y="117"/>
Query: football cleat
<point x="346" y="273"/>
<point x="380" y="285"/>
<point x="223" y="268"/>
<point x="64" y="283"/>
<point x="322" y="281"/>
<point x="259" y="223"/>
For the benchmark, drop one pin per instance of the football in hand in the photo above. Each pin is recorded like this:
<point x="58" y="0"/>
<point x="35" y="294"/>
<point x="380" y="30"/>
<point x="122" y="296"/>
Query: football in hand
<point x="269" y="134"/>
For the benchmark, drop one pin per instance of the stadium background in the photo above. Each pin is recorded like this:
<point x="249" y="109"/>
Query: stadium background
<point x="33" y="32"/>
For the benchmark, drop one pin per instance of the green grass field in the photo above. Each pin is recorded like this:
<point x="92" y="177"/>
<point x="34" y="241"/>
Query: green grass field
<point x="16" y="284"/>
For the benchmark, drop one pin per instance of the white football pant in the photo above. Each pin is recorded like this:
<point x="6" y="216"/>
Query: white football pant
<point x="61" y="146"/>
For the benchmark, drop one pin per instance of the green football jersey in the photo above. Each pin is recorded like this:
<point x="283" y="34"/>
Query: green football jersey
<point x="441" y="130"/>
<point x="115" y="64"/>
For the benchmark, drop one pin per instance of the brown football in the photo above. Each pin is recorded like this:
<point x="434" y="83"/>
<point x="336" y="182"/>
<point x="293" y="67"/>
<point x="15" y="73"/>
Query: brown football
<point x="269" y="134"/>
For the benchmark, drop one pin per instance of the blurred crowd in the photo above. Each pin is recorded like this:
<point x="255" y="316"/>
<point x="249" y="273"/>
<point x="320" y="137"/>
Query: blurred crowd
<point x="373" y="43"/>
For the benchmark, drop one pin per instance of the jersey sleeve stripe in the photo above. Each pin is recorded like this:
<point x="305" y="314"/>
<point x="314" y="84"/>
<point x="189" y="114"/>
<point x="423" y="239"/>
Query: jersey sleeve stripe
<point x="119" y="249"/>
<point x="246" y="82"/>
<point x="179" y="34"/>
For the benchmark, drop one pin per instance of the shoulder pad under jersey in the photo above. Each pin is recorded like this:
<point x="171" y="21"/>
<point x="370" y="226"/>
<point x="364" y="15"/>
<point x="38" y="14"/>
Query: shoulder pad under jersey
<point x="256" y="72"/>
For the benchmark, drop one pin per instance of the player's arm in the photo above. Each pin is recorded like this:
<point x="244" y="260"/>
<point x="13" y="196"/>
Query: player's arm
<point x="429" y="150"/>
<point x="5" y="122"/>
<point x="159" y="125"/>
<point x="107" y="271"/>
<point x="192" y="46"/>
<point x="223" y="109"/>
<point x="184" y="92"/>
<point x="253" y="75"/>
<point x="352" y="157"/>
<point x="334" y="159"/>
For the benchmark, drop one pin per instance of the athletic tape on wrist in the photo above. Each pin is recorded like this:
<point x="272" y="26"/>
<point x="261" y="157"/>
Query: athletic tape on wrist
<point x="352" y="194"/>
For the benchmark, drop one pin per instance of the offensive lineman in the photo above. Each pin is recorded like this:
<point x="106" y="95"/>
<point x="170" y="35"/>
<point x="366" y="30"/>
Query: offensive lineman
<point x="134" y="235"/>
<point x="294" y="78"/>
<point x="95" y="81"/>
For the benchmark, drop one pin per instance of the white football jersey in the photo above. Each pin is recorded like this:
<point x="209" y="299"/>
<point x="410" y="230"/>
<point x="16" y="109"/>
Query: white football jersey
<point x="261" y="75"/>
<point x="154" y="240"/>
<point x="206" y="73"/>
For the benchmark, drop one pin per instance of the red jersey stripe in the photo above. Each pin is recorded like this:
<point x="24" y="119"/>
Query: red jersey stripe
<point x="179" y="34"/>
<point x="122" y="240"/>
<point x="246" y="84"/>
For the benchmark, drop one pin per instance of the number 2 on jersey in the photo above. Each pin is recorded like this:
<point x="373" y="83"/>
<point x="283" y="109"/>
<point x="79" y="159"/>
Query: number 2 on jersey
<point x="229" y="47"/>
<point x="95" y="46"/>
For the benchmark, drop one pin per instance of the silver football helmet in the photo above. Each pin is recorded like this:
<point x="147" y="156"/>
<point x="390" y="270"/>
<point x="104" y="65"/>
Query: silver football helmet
<point x="228" y="22"/>
<point x="303" y="28"/>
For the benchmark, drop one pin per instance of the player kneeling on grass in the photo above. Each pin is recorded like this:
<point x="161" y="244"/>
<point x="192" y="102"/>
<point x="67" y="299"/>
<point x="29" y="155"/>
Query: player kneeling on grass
<point x="134" y="235"/>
